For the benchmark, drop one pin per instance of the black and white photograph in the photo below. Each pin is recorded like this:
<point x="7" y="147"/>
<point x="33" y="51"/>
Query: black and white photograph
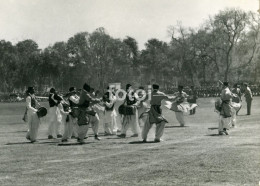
<point x="130" y="92"/>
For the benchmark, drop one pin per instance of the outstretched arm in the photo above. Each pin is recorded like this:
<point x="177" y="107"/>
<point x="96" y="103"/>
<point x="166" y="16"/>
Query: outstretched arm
<point x="62" y="109"/>
<point x="171" y="98"/>
<point x="92" y="100"/>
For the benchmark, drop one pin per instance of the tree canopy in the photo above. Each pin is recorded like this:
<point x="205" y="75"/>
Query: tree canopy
<point x="225" y="47"/>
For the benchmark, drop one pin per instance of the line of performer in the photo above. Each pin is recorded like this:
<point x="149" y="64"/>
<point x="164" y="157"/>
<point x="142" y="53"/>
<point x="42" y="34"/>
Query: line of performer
<point x="78" y="111"/>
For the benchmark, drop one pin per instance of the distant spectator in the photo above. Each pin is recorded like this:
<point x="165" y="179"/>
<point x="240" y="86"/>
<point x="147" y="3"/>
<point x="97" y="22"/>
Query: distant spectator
<point x="249" y="98"/>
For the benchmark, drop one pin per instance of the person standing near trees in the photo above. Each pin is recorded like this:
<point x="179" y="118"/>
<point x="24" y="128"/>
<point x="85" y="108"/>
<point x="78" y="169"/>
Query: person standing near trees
<point x="249" y="98"/>
<point x="192" y="99"/>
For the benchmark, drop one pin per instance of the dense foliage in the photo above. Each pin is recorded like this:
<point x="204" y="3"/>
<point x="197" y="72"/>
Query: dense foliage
<point x="225" y="47"/>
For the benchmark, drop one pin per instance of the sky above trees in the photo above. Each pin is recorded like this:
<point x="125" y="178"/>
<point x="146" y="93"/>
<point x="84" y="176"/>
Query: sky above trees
<point x="49" y="21"/>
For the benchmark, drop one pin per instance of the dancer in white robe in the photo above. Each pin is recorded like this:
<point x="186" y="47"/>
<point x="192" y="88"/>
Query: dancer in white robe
<point x="31" y="115"/>
<point x="180" y="98"/>
<point x="109" y="114"/>
<point x="54" y="129"/>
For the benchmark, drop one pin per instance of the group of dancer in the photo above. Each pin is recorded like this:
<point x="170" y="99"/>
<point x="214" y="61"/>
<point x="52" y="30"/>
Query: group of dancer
<point x="76" y="112"/>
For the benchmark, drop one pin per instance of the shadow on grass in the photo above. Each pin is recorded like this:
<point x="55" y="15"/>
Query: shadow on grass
<point x="12" y="123"/>
<point x="243" y="115"/>
<point x="249" y="144"/>
<point x="48" y="142"/>
<point x="213" y="135"/>
<point x="176" y="126"/>
<point x="116" y="137"/>
<point x="22" y="131"/>
<point x="213" y="128"/>
<point x="37" y="142"/>
<point x="141" y="142"/>
<point x="19" y="143"/>
<point x="46" y="139"/>
<point x="74" y="144"/>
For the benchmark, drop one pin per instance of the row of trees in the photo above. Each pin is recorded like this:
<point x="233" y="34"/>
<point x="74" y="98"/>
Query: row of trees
<point x="225" y="47"/>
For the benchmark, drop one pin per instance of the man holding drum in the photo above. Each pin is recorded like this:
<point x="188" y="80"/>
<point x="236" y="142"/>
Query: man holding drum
<point x="86" y="114"/>
<point x="33" y="114"/>
<point x="130" y="113"/>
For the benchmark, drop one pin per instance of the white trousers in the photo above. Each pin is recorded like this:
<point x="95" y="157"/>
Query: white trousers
<point x="118" y="122"/>
<point x="68" y="128"/>
<point x="94" y="121"/>
<point x="109" y="122"/>
<point x="224" y="123"/>
<point x="55" y="122"/>
<point x="33" y="126"/>
<point x="147" y="126"/>
<point x="233" y="117"/>
<point x="114" y="124"/>
<point x="180" y="118"/>
<point x="118" y="118"/>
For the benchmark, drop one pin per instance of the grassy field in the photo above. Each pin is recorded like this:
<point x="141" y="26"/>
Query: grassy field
<point x="192" y="155"/>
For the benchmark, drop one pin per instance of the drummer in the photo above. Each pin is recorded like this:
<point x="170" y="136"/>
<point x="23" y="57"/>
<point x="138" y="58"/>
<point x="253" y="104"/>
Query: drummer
<point x="54" y="129"/>
<point x="73" y="101"/>
<point x="130" y="119"/>
<point x="86" y="114"/>
<point x="31" y="115"/>
<point x="65" y="120"/>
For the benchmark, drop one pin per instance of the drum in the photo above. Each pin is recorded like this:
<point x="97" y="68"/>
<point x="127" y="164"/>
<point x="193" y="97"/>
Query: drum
<point x="66" y="106"/>
<point x="126" y="110"/>
<point x="236" y="99"/>
<point x="236" y="106"/>
<point x="91" y="112"/>
<point x="218" y="105"/>
<point x="41" y="112"/>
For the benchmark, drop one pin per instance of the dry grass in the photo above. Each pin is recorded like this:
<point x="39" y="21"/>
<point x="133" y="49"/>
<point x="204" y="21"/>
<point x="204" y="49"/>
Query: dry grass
<point x="192" y="155"/>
